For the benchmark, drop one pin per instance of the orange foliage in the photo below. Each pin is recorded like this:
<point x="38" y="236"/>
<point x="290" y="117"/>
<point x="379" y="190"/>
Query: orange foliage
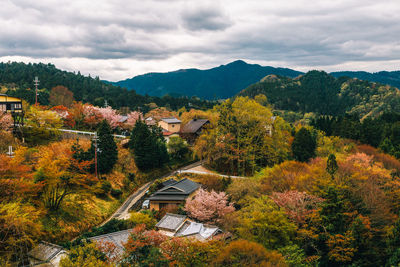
<point x="246" y="253"/>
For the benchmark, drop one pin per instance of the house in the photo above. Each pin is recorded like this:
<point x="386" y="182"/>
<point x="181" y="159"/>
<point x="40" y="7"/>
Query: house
<point x="174" y="194"/>
<point x="172" y="125"/>
<point x="181" y="226"/>
<point x="193" y="129"/>
<point x="150" y="121"/>
<point x="46" y="254"/>
<point x="167" y="135"/>
<point x="117" y="239"/>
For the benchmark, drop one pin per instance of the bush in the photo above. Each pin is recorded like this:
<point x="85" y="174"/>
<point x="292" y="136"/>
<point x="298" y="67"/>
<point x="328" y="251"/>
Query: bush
<point x="116" y="193"/>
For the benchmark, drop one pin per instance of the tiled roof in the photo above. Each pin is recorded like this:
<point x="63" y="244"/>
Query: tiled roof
<point x="194" y="125"/>
<point x="171" y="222"/>
<point x="171" y="120"/>
<point x="176" y="191"/>
<point x="169" y="182"/>
<point x="45" y="251"/>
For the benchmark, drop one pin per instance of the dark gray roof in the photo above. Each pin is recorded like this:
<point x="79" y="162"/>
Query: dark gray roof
<point x="44" y="251"/>
<point x="194" y="125"/>
<point x="185" y="185"/>
<point x="171" y="120"/>
<point x="169" y="182"/>
<point x="177" y="191"/>
<point x="171" y="222"/>
<point x="175" y="197"/>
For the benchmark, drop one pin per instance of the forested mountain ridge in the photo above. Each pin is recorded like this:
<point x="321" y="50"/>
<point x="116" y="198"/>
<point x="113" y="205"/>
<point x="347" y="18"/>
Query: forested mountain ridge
<point x="386" y="77"/>
<point x="219" y="82"/>
<point x="18" y="79"/>
<point x="322" y="93"/>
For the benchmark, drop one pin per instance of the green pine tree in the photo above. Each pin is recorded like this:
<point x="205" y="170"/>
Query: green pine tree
<point x="148" y="146"/>
<point x="331" y="165"/>
<point x="107" y="154"/>
<point x="304" y="145"/>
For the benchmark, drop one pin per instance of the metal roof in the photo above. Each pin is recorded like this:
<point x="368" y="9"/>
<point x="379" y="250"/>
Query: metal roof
<point x="171" y="222"/>
<point x="194" y="125"/>
<point x="171" y="120"/>
<point x="201" y="230"/>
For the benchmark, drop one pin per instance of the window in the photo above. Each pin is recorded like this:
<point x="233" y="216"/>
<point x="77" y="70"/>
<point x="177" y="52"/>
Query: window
<point x="3" y="107"/>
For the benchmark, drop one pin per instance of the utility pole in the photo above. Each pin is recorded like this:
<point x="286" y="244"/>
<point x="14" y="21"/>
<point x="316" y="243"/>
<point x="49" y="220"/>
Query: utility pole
<point x="95" y="154"/>
<point x="36" y="81"/>
<point x="106" y="103"/>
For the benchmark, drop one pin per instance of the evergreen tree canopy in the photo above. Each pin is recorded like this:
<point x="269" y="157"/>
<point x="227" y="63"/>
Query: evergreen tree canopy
<point x="107" y="154"/>
<point x="304" y="145"/>
<point x="148" y="146"/>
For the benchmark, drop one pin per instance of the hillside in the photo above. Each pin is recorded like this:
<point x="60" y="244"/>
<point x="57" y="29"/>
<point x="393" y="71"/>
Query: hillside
<point x="18" y="79"/>
<point x="322" y="93"/>
<point x="220" y="82"/>
<point x="386" y="77"/>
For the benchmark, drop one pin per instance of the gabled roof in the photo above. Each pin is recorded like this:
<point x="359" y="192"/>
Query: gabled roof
<point x="180" y="225"/>
<point x="194" y="125"/>
<point x="176" y="191"/>
<point x="171" y="222"/>
<point x="185" y="186"/>
<point x="171" y="120"/>
<point x="123" y="119"/>
<point x="199" y="230"/>
<point x="169" y="182"/>
<point x="45" y="252"/>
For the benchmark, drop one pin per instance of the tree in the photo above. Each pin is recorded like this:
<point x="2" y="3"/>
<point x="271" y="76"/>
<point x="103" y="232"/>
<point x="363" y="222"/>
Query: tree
<point x="107" y="154"/>
<point x="177" y="148"/>
<point x="296" y="204"/>
<point x="19" y="228"/>
<point x="142" y="248"/>
<point x="263" y="222"/>
<point x="6" y="121"/>
<point x="331" y="165"/>
<point x="304" y="145"/>
<point x="148" y="146"/>
<point x="61" y="174"/>
<point x="247" y="253"/>
<point x="60" y="95"/>
<point x="209" y="207"/>
<point x="88" y="255"/>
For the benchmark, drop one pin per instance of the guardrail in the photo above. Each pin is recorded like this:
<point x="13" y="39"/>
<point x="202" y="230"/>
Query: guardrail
<point x="88" y="133"/>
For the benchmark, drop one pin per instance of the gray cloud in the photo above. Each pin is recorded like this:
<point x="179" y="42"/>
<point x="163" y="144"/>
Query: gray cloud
<point x="208" y="18"/>
<point x="118" y="39"/>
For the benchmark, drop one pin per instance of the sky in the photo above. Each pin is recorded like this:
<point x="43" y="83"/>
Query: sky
<point x="119" y="39"/>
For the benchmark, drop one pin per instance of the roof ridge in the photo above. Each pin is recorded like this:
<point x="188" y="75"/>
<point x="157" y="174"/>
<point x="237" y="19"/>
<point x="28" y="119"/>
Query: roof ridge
<point x="111" y="234"/>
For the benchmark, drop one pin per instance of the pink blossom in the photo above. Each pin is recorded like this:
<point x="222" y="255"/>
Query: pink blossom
<point x="6" y="121"/>
<point x="208" y="206"/>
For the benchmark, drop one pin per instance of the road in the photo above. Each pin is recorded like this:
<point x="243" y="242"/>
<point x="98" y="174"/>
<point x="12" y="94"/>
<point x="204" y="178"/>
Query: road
<point x="123" y="211"/>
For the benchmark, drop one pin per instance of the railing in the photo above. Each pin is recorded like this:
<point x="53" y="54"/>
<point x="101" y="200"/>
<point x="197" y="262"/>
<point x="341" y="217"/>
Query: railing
<point x="88" y="133"/>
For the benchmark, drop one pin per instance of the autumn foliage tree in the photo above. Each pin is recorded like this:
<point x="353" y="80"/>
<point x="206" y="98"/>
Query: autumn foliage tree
<point x="209" y="207"/>
<point x="60" y="95"/>
<point x="247" y="253"/>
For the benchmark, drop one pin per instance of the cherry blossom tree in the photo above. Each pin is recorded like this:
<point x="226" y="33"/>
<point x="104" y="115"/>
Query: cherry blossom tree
<point x="132" y="118"/>
<point x="209" y="206"/>
<point x="5" y="121"/>
<point x="297" y="205"/>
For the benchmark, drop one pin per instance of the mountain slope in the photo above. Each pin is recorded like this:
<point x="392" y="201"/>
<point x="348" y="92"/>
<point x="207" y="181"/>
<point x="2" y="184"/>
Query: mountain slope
<point x="386" y="77"/>
<point x="221" y="82"/>
<point x="319" y="92"/>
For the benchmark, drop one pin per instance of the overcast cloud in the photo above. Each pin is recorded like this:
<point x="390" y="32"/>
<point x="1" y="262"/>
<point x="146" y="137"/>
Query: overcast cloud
<point x="117" y="39"/>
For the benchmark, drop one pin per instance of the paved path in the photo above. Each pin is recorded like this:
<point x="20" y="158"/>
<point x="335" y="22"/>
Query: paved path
<point x="123" y="211"/>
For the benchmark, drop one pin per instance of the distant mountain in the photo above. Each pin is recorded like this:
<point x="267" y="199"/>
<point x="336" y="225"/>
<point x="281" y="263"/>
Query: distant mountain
<point x="322" y="93"/>
<point x="385" y="77"/>
<point x="221" y="82"/>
